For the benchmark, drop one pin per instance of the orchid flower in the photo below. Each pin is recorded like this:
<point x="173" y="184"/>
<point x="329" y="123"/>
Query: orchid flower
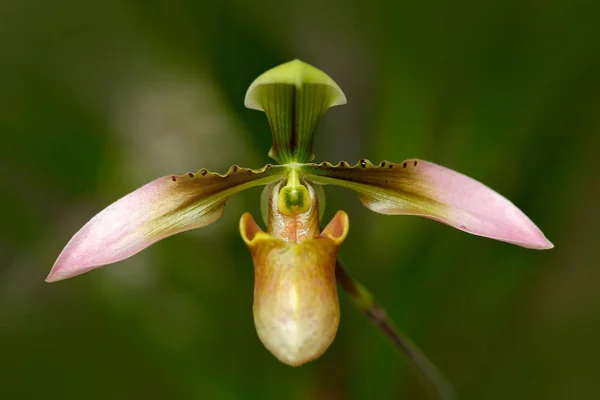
<point x="296" y="309"/>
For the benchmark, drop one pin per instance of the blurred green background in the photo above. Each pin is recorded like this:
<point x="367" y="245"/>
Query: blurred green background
<point x="100" y="97"/>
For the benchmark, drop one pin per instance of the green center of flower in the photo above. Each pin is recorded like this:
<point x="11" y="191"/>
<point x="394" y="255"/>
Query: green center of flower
<point x="294" y="197"/>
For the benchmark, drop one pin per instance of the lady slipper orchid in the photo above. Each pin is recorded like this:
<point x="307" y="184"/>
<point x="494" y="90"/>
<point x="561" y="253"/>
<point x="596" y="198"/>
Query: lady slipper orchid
<point x="296" y="309"/>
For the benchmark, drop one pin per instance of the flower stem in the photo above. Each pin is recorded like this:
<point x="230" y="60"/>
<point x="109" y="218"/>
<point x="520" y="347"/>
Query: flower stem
<point x="435" y="382"/>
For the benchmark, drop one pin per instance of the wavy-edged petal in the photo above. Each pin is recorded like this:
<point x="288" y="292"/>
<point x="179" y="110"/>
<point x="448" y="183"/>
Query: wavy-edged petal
<point x="422" y="188"/>
<point x="161" y="208"/>
<point x="296" y="308"/>
<point x="294" y="96"/>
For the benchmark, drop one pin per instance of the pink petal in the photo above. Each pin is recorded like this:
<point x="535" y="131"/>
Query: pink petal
<point x="419" y="187"/>
<point x="477" y="209"/>
<point x="161" y="208"/>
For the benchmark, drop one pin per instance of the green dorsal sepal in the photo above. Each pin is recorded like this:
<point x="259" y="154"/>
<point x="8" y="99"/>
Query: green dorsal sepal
<point x="295" y="96"/>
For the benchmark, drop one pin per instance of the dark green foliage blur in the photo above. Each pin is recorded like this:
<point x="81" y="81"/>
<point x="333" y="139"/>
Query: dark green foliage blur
<point x="100" y="97"/>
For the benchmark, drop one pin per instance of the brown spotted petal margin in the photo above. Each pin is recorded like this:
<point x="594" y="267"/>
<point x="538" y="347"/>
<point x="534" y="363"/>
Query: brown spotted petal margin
<point x="296" y="309"/>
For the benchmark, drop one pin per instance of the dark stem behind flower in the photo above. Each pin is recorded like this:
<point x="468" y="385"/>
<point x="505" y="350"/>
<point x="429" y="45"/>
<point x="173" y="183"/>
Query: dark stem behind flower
<point x="435" y="382"/>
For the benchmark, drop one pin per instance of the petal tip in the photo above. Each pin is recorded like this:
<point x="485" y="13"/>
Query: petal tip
<point x="66" y="267"/>
<point x="59" y="272"/>
<point x="537" y="242"/>
<point x="529" y="236"/>
<point x="55" y="275"/>
<point x="544" y="244"/>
